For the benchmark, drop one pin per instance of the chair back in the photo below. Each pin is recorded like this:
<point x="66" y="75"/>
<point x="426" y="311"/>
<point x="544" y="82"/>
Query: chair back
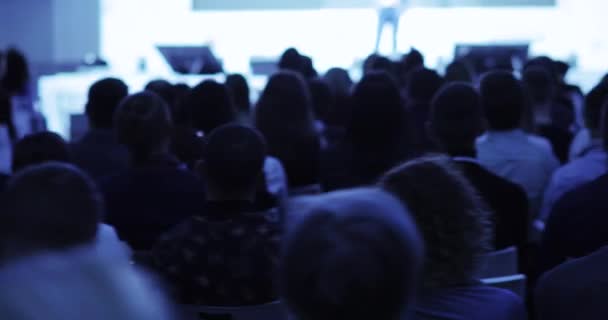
<point x="497" y="264"/>
<point x="515" y="283"/>
<point x="270" y="311"/>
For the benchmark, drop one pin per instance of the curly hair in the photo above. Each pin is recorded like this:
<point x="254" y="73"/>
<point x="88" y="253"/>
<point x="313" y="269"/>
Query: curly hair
<point x="453" y="219"/>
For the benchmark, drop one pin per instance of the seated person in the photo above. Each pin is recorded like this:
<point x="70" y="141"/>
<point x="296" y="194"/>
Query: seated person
<point x="456" y="120"/>
<point x="226" y="254"/>
<point x="353" y="255"/>
<point x="79" y="284"/>
<point x="157" y="192"/>
<point x="39" y="148"/>
<point x="506" y="149"/>
<point x="98" y="152"/>
<point x="456" y="229"/>
<point x="574" y="290"/>
<point x="51" y="207"/>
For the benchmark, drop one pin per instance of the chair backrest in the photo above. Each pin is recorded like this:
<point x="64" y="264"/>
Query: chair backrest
<point x="271" y="311"/>
<point x="515" y="283"/>
<point x="498" y="264"/>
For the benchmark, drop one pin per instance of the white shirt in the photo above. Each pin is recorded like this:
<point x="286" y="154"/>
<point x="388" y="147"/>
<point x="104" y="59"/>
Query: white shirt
<point x="523" y="159"/>
<point x="591" y="165"/>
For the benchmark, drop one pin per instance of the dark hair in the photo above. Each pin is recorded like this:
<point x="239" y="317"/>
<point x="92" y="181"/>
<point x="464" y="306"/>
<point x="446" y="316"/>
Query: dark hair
<point x="456" y="118"/>
<point x="452" y="218"/>
<point x="209" y="106"/>
<point x="291" y="60"/>
<point x="143" y="124"/>
<point x="284" y="116"/>
<point x="6" y="114"/>
<point x="234" y="157"/>
<point x="594" y="101"/>
<point x="367" y="256"/>
<point x="459" y="71"/>
<point x="502" y="98"/>
<point x="322" y="99"/>
<point x="422" y="84"/>
<point x="163" y="89"/>
<point x="49" y="207"/>
<point x="104" y="97"/>
<point x="539" y="83"/>
<point x="377" y="126"/>
<point x="408" y="63"/>
<point x="16" y="72"/>
<point x="239" y="89"/>
<point x="39" y="148"/>
<point x="339" y="81"/>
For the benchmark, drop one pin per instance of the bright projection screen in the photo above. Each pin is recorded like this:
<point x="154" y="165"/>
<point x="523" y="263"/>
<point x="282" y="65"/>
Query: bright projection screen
<point x="318" y="4"/>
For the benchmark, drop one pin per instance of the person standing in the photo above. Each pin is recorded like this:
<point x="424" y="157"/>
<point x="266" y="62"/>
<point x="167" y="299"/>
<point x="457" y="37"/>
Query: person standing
<point x="388" y="14"/>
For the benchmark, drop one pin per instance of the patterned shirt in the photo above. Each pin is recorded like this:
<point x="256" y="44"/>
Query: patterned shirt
<point x="226" y="257"/>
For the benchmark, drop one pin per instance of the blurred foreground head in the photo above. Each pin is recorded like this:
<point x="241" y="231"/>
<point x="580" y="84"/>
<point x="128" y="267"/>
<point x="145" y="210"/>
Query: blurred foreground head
<point x="351" y="255"/>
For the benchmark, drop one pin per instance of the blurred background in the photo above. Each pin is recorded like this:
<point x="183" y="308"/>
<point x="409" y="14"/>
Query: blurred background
<point x="72" y="43"/>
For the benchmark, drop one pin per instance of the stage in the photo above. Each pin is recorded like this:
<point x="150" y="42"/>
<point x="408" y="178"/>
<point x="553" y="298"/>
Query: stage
<point x="332" y="37"/>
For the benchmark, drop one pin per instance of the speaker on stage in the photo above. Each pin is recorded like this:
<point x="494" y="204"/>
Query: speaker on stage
<point x="191" y="59"/>
<point x="483" y="58"/>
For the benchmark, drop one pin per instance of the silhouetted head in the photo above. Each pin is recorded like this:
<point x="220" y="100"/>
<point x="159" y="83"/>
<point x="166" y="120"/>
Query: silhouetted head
<point x="104" y="97"/>
<point x="291" y="60"/>
<point x="378" y="115"/>
<point x="367" y="256"/>
<point x="339" y="82"/>
<point x="143" y="124"/>
<point x="452" y="219"/>
<point x="456" y="119"/>
<point x="39" y="148"/>
<point x="539" y="84"/>
<point x="423" y="84"/>
<point x="409" y="62"/>
<point x="234" y="158"/>
<point x="308" y="68"/>
<point x="6" y="113"/>
<point x="46" y="208"/>
<point x="16" y="77"/>
<point x="502" y="98"/>
<point x="594" y="102"/>
<point x="163" y="89"/>
<point x="239" y="89"/>
<point x="209" y="106"/>
<point x="459" y="71"/>
<point x="285" y="107"/>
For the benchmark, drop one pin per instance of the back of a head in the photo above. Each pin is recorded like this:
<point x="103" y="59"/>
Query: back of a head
<point x="209" y="106"/>
<point x="594" y="101"/>
<point x="104" y="97"/>
<point x="163" y="89"/>
<point x="378" y="115"/>
<point x="456" y="118"/>
<point x="79" y="284"/>
<point x="502" y="98"/>
<point x="285" y="107"/>
<point x="143" y="123"/>
<point x="539" y="84"/>
<point x="339" y="81"/>
<point x="422" y="85"/>
<point x="450" y="215"/>
<point x="234" y="158"/>
<point x="459" y="71"/>
<point x="53" y="206"/>
<point x="39" y="148"/>
<point x="16" y="72"/>
<point x="291" y="60"/>
<point x="239" y="89"/>
<point x="351" y="255"/>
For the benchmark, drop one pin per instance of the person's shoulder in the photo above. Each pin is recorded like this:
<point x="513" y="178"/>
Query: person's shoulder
<point x="584" y="194"/>
<point x="574" y="275"/>
<point x="478" y="174"/>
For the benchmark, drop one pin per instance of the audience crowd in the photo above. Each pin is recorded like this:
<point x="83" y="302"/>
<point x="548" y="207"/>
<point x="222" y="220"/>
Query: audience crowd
<point x="382" y="198"/>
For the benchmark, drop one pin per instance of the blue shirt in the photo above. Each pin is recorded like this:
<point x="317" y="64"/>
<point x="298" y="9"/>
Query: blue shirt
<point x="590" y="166"/>
<point x="523" y="159"/>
